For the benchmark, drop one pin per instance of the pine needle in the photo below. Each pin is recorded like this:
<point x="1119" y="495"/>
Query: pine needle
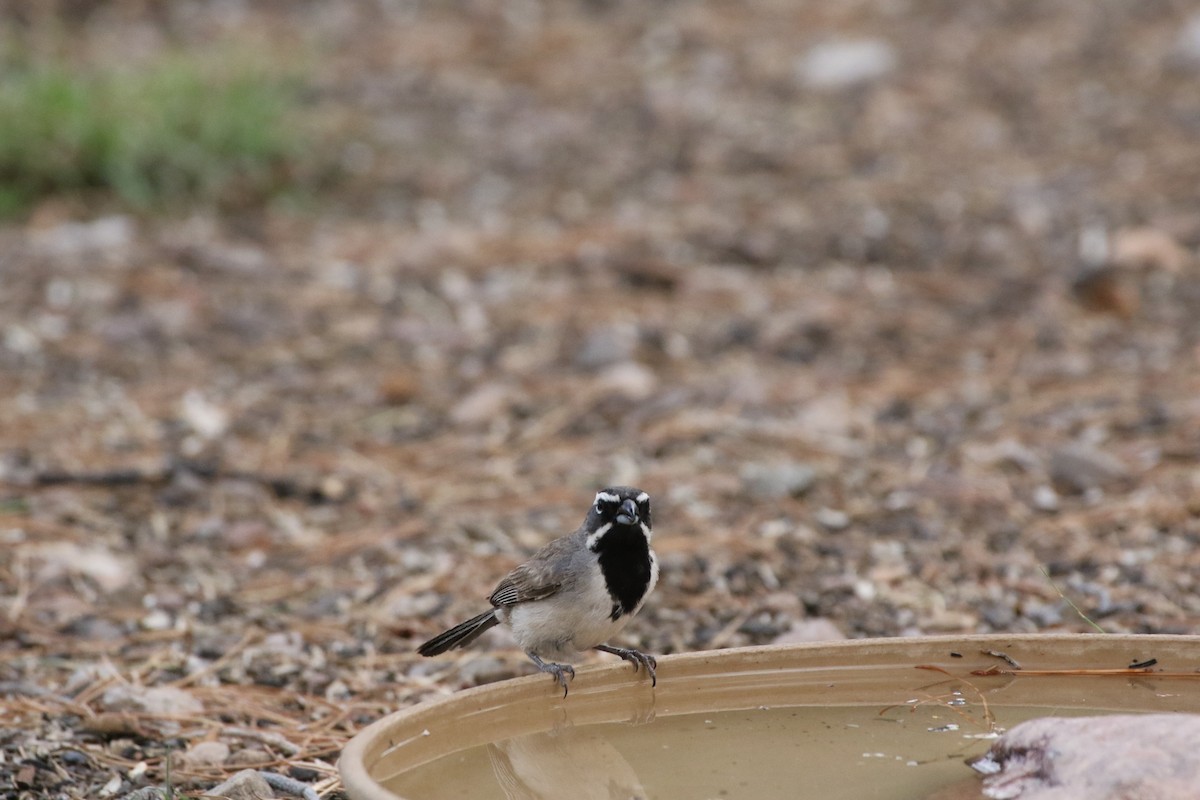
<point x="1070" y="602"/>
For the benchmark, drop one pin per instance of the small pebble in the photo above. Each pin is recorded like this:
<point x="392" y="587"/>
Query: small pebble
<point x="484" y="404"/>
<point x="1045" y="499"/>
<point x="629" y="380"/>
<point x="485" y="669"/>
<point x="1077" y="468"/>
<point x="114" y="785"/>
<point x="1187" y="42"/>
<point x="848" y="62"/>
<point x="773" y="480"/>
<point x="249" y="757"/>
<point x="164" y="700"/>
<point x="810" y="630"/>
<point x="1044" y="615"/>
<point x="206" y="754"/>
<point x="606" y="345"/>
<point x="305" y="774"/>
<point x="244" y="785"/>
<point x="832" y="519"/>
<point x="156" y="620"/>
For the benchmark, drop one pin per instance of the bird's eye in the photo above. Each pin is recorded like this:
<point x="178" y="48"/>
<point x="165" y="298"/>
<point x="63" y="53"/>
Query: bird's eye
<point x="601" y="506"/>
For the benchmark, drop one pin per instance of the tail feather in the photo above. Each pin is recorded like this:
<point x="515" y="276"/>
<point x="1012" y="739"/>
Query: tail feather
<point x="460" y="635"/>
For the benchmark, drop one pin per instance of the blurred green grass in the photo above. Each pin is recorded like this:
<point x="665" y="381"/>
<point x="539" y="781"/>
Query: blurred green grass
<point x="181" y="129"/>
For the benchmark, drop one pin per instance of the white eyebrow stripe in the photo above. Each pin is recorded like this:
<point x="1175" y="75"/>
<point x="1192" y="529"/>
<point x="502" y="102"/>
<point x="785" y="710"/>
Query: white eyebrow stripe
<point x="612" y="498"/>
<point x="594" y="538"/>
<point x="643" y="497"/>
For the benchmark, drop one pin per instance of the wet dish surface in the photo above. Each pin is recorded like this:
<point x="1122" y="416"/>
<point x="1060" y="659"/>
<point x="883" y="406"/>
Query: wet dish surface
<point x="766" y="722"/>
<point x="828" y="752"/>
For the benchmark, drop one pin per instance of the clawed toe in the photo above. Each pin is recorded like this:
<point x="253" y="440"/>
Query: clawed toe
<point x="561" y="672"/>
<point x="649" y="662"/>
<point x="636" y="658"/>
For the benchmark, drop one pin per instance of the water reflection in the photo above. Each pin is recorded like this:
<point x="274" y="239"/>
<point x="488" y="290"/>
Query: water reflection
<point x="565" y="763"/>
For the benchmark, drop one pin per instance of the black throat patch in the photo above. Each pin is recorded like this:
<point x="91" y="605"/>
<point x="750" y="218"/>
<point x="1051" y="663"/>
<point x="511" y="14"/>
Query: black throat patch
<point x="625" y="563"/>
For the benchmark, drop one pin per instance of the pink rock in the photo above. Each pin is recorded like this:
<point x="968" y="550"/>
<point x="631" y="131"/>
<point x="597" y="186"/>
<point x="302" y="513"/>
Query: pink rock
<point x="1114" y="757"/>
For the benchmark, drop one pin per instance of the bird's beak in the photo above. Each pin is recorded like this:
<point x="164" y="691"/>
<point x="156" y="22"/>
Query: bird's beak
<point x="629" y="513"/>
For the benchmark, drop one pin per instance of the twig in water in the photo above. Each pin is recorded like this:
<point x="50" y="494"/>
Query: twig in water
<point x="1005" y="657"/>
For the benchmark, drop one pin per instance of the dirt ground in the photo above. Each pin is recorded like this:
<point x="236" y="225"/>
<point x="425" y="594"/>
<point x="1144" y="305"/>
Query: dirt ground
<point x="893" y="307"/>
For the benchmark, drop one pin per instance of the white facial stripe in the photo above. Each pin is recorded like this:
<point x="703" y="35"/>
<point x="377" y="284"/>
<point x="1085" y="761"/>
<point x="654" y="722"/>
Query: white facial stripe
<point x="612" y="498"/>
<point x="643" y="497"/>
<point x="594" y="538"/>
<point x="646" y="531"/>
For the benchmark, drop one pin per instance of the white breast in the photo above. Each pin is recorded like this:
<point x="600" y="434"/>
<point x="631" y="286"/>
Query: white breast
<point x="569" y="622"/>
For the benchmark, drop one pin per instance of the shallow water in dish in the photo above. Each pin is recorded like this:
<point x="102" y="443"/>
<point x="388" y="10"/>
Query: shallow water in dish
<point x="892" y="720"/>
<point x="831" y="753"/>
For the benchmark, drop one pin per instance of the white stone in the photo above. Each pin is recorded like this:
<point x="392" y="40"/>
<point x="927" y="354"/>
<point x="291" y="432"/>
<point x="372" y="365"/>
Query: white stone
<point x="847" y="62"/>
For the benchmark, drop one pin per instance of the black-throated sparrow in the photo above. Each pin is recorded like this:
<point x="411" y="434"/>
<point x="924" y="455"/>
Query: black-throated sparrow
<point x="576" y="592"/>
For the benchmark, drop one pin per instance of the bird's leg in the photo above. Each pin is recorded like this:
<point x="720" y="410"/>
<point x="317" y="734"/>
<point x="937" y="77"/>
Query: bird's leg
<point x="559" y="671"/>
<point x="634" y="657"/>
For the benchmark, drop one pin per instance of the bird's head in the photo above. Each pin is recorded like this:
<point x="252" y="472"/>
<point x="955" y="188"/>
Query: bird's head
<point x="617" y="508"/>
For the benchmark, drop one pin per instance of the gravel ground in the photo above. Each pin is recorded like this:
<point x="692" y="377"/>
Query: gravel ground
<point x="894" y="309"/>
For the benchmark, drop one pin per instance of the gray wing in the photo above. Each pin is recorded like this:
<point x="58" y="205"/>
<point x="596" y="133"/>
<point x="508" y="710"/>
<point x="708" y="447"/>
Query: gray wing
<point x="538" y="578"/>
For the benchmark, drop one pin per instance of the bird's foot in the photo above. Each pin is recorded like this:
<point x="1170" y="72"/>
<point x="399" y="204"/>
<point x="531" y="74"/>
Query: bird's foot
<point x="561" y="672"/>
<point x="635" y="657"/>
